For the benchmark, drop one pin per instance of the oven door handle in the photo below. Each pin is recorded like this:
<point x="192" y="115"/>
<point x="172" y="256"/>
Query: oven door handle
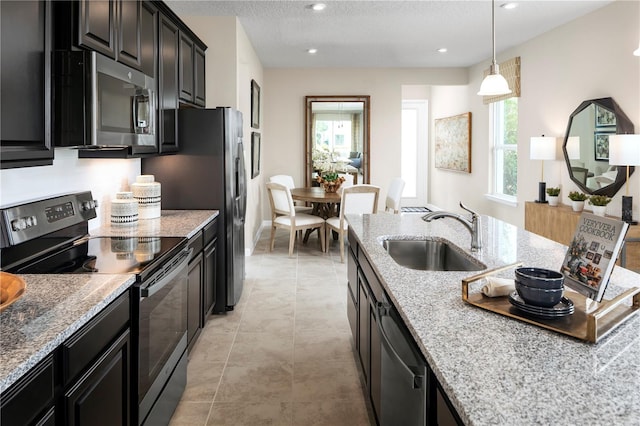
<point x="166" y="275"/>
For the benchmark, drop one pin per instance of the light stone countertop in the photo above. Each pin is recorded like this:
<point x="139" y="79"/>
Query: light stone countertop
<point x="57" y="305"/>
<point x="497" y="370"/>
<point x="171" y="223"/>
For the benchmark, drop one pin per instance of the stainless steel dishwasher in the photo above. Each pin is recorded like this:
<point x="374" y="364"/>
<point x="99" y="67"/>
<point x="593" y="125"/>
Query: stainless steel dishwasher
<point x="403" y="371"/>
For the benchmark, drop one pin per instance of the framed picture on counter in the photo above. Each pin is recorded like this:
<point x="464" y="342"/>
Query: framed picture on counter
<point x="255" y="154"/>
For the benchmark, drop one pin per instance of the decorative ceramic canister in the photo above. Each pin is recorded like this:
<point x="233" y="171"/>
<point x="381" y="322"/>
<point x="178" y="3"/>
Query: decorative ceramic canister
<point x="147" y="192"/>
<point x="124" y="209"/>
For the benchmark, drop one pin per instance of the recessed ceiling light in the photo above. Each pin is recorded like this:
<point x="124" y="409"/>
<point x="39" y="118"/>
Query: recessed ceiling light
<point x="318" y="6"/>
<point x="312" y="51"/>
<point x="509" y="5"/>
<point x="442" y="50"/>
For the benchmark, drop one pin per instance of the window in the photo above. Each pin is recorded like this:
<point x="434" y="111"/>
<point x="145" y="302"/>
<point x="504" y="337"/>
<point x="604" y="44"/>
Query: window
<point x="504" y="128"/>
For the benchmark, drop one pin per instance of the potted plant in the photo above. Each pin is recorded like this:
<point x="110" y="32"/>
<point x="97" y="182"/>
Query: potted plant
<point x="553" y="196"/>
<point x="599" y="204"/>
<point x="577" y="200"/>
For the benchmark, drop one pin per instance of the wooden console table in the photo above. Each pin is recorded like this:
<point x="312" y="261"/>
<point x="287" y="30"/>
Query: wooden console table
<point x="559" y="224"/>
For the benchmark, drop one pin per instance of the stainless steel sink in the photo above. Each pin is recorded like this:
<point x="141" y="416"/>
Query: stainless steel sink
<point x="430" y="255"/>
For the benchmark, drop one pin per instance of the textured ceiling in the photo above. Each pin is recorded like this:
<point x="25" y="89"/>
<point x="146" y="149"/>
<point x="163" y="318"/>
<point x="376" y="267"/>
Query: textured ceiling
<point x="386" y="33"/>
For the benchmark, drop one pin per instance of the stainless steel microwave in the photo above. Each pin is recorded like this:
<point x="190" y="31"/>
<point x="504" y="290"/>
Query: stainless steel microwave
<point x="102" y="107"/>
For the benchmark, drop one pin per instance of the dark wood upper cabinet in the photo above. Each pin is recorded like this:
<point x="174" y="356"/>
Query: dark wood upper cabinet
<point x="128" y="39"/>
<point x="168" y="85"/>
<point x="148" y="38"/>
<point x="199" y="94"/>
<point x="97" y="26"/>
<point x="25" y="111"/>
<point x="119" y="29"/>
<point x="186" y="68"/>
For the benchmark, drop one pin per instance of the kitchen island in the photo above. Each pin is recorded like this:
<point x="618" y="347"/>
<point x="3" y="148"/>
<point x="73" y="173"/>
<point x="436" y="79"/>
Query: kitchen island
<point x="494" y="369"/>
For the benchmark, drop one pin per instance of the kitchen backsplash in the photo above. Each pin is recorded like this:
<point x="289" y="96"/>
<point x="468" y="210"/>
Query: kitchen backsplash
<point x="69" y="174"/>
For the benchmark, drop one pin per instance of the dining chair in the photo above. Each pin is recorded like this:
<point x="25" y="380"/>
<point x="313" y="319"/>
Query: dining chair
<point x="284" y="215"/>
<point x="288" y="181"/>
<point x="356" y="199"/>
<point x="394" y="195"/>
<point x="348" y="180"/>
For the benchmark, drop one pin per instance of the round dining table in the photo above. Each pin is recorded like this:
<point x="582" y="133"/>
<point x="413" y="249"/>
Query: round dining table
<point x="323" y="203"/>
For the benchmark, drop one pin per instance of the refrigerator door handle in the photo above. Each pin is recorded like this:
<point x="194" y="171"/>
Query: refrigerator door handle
<point x="241" y="184"/>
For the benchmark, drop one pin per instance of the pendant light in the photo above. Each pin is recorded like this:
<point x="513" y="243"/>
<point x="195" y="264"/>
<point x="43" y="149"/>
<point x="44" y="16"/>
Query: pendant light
<point x="494" y="84"/>
<point x="637" y="51"/>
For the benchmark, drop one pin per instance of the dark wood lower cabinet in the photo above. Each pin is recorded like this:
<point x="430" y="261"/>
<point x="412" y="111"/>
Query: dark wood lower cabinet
<point x="194" y="301"/>
<point x="31" y="399"/>
<point x="101" y="395"/>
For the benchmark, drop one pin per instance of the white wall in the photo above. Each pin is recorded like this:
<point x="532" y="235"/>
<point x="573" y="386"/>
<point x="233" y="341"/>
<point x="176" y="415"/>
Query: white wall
<point x="588" y="58"/>
<point x="70" y="174"/>
<point x="231" y="65"/>
<point x="284" y="113"/>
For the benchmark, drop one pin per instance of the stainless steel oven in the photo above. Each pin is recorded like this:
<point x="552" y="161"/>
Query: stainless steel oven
<point x="162" y="340"/>
<point x="51" y="237"/>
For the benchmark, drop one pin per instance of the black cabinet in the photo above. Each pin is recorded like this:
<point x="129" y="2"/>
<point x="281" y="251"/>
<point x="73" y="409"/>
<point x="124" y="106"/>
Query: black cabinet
<point x="186" y="68"/>
<point x="97" y="25"/>
<point x="202" y="279"/>
<point x="195" y="289"/>
<point x="96" y="368"/>
<point x="101" y="396"/>
<point x="25" y="110"/>
<point x="148" y="38"/>
<point x="210" y="260"/>
<point x="192" y="71"/>
<point x="199" y="86"/>
<point x="111" y="27"/>
<point x="168" y="46"/>
<point x="31" y="399"/>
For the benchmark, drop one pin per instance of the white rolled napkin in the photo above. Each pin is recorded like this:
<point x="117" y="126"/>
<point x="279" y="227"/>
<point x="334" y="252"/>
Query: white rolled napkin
<point x="496" y="287"/>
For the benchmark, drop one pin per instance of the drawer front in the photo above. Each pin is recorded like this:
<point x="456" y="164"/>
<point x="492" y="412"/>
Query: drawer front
<point x="86" y="345"/>
<point x="24" y="401"/>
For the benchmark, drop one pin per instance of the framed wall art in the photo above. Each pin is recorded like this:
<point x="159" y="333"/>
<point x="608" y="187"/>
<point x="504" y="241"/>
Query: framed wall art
<point x="255" y="154"/>
<point x="453" y="143"/>
<point x="605" y="117"/>
<point x="255" y="105"/>
<point x="601" y="146"/>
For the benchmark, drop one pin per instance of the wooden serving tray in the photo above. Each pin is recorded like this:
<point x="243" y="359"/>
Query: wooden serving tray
<point x="590" y="322"/>
<point x="12" y="288"/>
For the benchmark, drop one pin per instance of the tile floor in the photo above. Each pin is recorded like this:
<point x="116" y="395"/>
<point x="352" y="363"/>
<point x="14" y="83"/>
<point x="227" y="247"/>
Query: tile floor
<point x="284" y="355"/>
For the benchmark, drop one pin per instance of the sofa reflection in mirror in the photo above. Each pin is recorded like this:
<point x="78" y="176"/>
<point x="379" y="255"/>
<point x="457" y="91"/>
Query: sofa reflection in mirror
<point x="586" y="146"/>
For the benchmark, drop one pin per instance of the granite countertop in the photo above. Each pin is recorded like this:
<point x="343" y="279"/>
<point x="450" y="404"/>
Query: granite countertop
<point x="497" y="370"/>
<point x="171" y="223"/>
<point x="57" y="305"/>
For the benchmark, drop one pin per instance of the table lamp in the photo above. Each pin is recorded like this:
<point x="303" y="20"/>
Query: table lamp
<point x="624" y="150"/>
<point x="542" y="148"/>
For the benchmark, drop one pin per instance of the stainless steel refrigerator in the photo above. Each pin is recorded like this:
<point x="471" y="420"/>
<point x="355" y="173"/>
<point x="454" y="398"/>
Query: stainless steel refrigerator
<point x="209" y="173"/>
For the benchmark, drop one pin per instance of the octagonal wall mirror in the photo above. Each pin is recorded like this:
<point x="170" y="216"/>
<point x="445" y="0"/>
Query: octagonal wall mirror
<point x="338" y="126"/>
<point x="586" y="146"/>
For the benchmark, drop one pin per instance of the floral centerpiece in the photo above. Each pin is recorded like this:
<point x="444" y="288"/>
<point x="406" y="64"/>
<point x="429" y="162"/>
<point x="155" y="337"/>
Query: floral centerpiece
<point x="327" y="166"/>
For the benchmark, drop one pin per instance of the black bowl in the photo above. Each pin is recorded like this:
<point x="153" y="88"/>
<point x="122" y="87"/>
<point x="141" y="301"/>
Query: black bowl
<point x="545" y="297"/>
<point x="540" y="278"/>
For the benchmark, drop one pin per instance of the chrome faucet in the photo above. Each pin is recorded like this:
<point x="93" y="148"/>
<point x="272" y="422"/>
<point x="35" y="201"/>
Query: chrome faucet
<point x="472" y="225"/>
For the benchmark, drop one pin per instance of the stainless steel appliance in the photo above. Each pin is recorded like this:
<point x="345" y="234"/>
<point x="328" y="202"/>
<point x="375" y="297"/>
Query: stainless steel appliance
<point x="51" y="236"/>
<point x="209" y="173"/>
<point x="404" y="380"/>
<point x="102" y="106"/>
